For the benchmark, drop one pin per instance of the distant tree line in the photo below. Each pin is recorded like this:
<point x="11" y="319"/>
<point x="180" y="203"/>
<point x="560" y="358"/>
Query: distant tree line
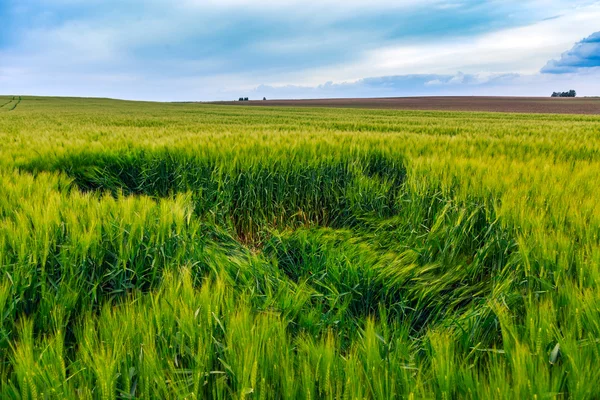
<point x="243" y="99"/>
<point x="570" y="93"/>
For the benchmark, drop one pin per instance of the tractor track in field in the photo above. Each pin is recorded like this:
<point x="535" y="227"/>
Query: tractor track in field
<point x="11" y="104"/>
<point x="16" y="104"/>
<point x="8" y="102"/>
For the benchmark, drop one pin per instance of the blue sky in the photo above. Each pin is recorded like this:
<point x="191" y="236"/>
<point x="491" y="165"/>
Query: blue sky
<point x="223" y="49"/>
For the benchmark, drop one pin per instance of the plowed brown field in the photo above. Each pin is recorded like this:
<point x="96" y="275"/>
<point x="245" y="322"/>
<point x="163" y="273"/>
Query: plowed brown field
<point x="494" y="104"/>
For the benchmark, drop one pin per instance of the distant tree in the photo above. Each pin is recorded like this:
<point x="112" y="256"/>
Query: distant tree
<point x="264" y="98"/>
<point x="570" y="93"/>
<point x="241" y="99"/>
<point x="245" y="99"/>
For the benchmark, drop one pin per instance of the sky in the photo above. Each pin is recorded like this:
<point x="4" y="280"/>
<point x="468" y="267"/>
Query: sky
<point x="197" y="50"/>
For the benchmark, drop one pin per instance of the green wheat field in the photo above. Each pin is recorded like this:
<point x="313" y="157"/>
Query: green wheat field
<point x="165" y="251"/>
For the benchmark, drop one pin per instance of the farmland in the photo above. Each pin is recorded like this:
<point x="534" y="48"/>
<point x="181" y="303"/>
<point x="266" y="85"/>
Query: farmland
<point x="542" y="105"/>
<point x="156" y="250"/>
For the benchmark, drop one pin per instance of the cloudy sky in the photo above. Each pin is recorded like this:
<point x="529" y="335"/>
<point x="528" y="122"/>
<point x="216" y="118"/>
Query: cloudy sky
<point x="223" y="49"/>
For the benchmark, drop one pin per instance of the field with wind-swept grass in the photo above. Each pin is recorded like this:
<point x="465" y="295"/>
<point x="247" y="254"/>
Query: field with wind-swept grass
<point x="164" y="251"/>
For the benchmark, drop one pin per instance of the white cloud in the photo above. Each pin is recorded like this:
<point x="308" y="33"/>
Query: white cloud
<point x="441" y="85"/>
<point x="517" y="50"/>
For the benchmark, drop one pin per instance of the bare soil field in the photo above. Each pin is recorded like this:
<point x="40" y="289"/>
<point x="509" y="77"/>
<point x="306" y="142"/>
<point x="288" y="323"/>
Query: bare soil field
<point x="493" y="104"/>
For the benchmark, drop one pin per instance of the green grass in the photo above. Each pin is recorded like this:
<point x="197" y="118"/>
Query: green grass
<point x="154" y="250"/>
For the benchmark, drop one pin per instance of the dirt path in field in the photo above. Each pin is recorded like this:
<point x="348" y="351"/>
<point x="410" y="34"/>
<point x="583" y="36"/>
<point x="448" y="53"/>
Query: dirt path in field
<point x="494" y="104"/>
